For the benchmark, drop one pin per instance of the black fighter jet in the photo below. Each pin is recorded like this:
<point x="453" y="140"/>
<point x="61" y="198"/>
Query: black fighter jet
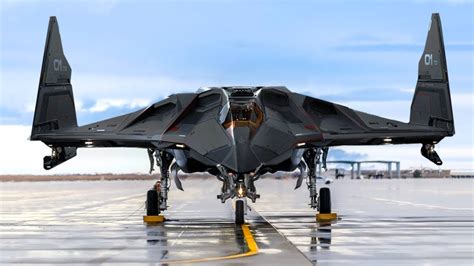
<point x="239" y="133"/>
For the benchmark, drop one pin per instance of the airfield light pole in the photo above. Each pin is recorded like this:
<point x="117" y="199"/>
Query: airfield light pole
<point x="358" y="169"/>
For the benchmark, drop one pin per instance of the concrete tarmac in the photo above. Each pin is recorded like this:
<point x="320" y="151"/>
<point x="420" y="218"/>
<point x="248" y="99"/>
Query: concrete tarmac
<point x="428" y="221"/>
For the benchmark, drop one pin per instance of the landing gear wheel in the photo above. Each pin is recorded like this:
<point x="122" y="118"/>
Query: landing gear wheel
<point x="152" y="203"/>
<point x="239" y="212"/>
<point x="324" y="200"/>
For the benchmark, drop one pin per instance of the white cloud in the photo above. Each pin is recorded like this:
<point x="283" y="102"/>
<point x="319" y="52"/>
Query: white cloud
<point x="463" y="100"/>
<point x="102" y="105"/>
<point x="30" y="107"/>
<point x="410" y="90"/>
<point x="21" y="156"/>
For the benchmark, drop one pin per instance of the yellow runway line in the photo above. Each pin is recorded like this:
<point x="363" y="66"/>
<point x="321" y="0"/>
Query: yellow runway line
<point x="251" y="245"/>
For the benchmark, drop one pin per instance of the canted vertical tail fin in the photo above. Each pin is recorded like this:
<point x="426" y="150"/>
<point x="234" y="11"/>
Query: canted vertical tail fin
<point x="431" y="105"/>
<point x="55" y="101"/>
<point x="55" y="110"/>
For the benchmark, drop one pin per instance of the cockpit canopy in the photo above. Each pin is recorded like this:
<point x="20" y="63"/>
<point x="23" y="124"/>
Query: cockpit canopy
<point x="244" y="114"/>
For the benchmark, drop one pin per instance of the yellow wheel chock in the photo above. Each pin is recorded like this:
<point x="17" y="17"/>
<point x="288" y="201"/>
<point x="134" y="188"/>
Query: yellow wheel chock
<point x="326" y="217"/>
<point x="151" y="219"/>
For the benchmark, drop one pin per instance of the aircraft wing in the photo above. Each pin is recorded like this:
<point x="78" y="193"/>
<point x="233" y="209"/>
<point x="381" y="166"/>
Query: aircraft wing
<point x="143" y="128"/>
<point x="341" y="125"/>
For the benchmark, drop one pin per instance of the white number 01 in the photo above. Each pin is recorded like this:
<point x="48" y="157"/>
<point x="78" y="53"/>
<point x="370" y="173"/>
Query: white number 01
<point x="428" y="59"/>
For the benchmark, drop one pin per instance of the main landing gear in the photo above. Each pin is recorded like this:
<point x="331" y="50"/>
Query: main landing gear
<point x="321" y="201"/>
<point x="156" y="198"/>
<point x="324" y="200"/>
<point x="153" y="200"/>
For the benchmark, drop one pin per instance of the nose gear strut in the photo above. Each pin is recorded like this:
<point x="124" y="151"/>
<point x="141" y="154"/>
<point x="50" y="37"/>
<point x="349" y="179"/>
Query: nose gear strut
<point x="239" y="186"/>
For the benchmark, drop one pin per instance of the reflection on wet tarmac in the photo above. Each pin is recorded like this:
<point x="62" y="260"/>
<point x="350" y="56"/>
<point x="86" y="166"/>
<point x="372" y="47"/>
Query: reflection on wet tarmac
<point x="376" y="228"/>
<point x="321" y="237"/>
<point x="157" y="237"/>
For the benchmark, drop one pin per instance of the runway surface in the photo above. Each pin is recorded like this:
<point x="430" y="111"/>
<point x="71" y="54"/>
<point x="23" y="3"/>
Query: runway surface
<point x="407" y="222"/>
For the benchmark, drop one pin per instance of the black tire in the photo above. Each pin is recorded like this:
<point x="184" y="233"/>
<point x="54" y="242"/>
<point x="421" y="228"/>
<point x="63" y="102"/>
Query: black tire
<point x="324" y="200"/>
<point x="239" y="212"/>
<point x="152" y="204"/>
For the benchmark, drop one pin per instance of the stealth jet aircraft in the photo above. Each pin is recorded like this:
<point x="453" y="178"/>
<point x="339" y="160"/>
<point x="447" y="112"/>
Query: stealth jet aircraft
<point x="239" y="133"/>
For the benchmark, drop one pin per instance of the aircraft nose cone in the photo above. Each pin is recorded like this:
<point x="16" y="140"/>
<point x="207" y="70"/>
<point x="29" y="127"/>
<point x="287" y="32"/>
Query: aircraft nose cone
<point x="241" y="157"/>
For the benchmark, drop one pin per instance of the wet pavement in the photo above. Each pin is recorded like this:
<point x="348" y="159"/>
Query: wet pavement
<point x="381" y="222"/>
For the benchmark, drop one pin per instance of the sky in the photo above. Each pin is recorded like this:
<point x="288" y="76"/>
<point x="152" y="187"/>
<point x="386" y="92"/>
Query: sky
<point x="126" y="55"/>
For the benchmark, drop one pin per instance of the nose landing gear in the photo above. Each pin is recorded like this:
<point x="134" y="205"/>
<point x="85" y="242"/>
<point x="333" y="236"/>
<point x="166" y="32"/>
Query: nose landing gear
<point x="239" y="211"/>
<point x="239" y="186"/>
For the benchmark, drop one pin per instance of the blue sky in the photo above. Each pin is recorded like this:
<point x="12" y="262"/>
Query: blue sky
<point x="127" y="54"/>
